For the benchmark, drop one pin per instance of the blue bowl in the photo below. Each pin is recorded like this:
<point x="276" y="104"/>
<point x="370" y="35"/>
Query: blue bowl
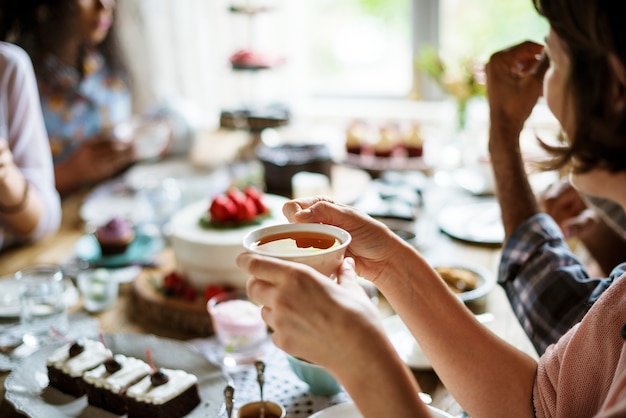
<point x="319" y="380"/>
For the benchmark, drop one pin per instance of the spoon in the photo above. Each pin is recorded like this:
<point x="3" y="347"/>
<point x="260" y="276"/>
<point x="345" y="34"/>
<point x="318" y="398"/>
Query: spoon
<point x="229" y="393"/>
<point x="260" y="377"/>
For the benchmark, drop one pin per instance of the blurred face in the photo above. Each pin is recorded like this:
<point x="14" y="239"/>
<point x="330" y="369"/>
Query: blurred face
<point x="554" y="82"/>
<point x="95" y="18"/>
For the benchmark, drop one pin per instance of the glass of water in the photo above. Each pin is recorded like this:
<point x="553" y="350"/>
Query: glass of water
<point x="41" y="291"/>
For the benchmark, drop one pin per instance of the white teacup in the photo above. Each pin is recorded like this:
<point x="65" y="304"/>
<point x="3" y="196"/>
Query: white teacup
<point x="320" y="246"/>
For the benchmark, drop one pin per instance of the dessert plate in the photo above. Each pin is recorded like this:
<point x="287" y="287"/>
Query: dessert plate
<point x="349" y="410"/>
<point x="477" y="222"/>
<point x="27" y="385"/>
<point x="408" y="349"/>
<point x="140" y="251"/>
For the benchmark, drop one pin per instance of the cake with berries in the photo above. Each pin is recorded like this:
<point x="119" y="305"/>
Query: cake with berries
<point x="164" y="393"/>
<point x="67" y="364"/>
<point x="207" y="235"/>
<point x="106" y="385"/>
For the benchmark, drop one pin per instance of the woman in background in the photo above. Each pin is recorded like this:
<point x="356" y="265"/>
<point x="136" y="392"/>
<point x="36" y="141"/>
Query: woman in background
<point x="29" y="204"/>
<point x="82" y="83"/>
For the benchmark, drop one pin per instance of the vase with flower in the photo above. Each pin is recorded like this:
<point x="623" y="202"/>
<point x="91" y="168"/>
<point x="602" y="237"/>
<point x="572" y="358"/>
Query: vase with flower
<point x="463" y="82"/>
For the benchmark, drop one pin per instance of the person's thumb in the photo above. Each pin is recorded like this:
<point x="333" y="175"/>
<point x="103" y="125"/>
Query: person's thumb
<point x="346" y="274"/>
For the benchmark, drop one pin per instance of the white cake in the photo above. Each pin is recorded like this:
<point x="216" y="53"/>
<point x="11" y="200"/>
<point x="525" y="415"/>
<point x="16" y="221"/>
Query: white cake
<point x="207" y="256"/>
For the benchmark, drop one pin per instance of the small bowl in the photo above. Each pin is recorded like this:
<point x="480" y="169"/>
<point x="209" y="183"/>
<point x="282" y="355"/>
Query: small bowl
<point x="319" y="380"/>
<point x="253" y="410"/>
<point x="474" y="297"/>
<point x="326" y="261"/>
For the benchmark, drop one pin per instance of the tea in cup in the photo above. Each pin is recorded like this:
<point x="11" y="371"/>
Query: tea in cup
<point x="320" y="246"/>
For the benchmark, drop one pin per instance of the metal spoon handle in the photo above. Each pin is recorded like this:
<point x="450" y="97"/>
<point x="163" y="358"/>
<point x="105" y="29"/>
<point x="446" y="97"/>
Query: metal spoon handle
<point x="229" y="394"/>
<point x="260" y="377"/>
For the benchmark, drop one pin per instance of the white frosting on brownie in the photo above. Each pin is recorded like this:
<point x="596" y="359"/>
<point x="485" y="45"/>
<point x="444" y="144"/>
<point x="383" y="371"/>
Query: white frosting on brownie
<point x="179" y="381"/>
<point x="94" y="353"/>
<point x="132" y="370"/>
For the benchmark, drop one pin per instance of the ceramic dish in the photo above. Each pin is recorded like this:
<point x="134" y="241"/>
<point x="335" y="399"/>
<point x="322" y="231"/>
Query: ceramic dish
<point x="27" y="385"/>
<point x="474" y="222"/>
<point x="140" y="251"/>
<point x="108" y="200"/>
<point x="349" y="410"/>
<point x="408" y="349"/>
<point x="485" y="281"/>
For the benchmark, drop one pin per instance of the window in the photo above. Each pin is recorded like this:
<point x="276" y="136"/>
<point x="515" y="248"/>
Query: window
<point x="367" y="47"/>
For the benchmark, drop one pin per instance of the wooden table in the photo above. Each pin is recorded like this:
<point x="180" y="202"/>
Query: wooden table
<point x="60" y="247"/>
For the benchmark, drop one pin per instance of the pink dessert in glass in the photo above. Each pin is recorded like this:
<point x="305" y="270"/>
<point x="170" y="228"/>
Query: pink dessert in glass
<point x="239" y="327"/>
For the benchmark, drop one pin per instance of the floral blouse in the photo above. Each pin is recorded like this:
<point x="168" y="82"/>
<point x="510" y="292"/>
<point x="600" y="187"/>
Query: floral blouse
<point x="76" y="108"/>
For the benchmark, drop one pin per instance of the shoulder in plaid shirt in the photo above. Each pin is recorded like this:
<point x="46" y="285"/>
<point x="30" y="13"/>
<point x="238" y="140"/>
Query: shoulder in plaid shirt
<point x="547" y="286"/>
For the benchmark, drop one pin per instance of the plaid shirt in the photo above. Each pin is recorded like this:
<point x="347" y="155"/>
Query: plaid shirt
<point x="547" y="286"/>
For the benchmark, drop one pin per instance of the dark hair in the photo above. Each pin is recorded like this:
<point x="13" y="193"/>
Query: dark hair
<point x="591" y="30"/>
<point x="39" y="25"/>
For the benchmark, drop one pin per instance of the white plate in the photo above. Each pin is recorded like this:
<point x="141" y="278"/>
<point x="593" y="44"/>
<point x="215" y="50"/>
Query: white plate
<point x="10" y="296"/>
<point x="408" y="349"/>
<point x="476" y="222"/>
<point x="109" y="200"/>
<point x="349" y="410"/>
<point x="27" y="386"/>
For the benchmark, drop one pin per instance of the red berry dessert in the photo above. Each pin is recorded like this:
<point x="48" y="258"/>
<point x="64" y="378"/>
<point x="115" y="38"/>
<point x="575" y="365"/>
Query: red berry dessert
<point x="237" y="207"/>
<point x="115" y="236"/>
<point x="246" y="59"/>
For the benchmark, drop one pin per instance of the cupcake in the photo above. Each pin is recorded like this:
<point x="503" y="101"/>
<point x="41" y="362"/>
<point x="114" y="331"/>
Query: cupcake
<point x="414" y="143"/>
<point x="355" y="137"/>
<point x="115" y="236"/>
<point x="387" y="141"/>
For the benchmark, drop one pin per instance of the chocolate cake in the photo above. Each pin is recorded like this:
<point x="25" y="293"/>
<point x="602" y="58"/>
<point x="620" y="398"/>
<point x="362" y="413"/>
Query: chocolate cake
<point x="67" y="364"/>
<point x="164" y="394"/>
<point x="105" y="385"/>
